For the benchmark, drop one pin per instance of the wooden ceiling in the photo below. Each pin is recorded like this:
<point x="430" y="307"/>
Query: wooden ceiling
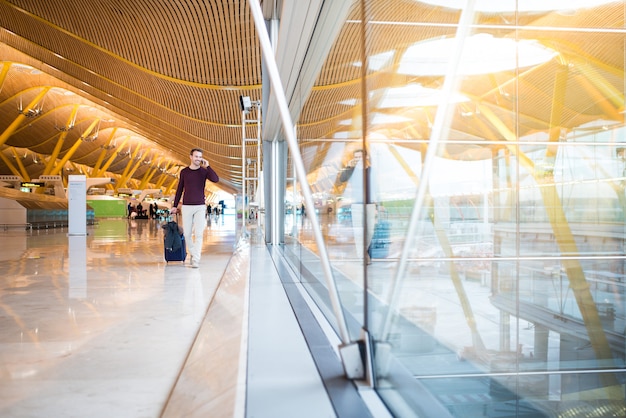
<point x="165" y="76"/>
<point x="137" y="84"/>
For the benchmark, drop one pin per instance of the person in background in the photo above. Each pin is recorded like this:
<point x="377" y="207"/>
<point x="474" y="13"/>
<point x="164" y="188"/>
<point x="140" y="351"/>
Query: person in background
<point x="191" y="182"/>
<point x="354" y="173"/>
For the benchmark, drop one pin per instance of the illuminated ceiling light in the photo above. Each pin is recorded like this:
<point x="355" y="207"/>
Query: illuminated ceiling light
<point x="415" y="95"/>
<point x="124" y="153"/>
<point x="92" y="137"/>
<point x="348" y="102"/>
<point x="32" y="112"/>
<point x="378" y="61"/>
<point x="383" y="119"/>
<point x="22" y="67"/>
<point x="482" y="54"/>
<point x="500" y="6"/>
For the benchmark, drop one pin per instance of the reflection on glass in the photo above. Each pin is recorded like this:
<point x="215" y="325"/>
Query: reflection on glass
<point x="482" y="54"/>
<point x="525" y="6"/>
<point x="77" y="268"/>
<point x="512" y="302"/>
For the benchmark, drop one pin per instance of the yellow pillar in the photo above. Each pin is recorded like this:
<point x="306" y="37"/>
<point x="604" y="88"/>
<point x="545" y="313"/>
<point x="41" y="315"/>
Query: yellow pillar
<point x="103" y="153"/>
<point x="575" y="274"/>
<point x="20" y="117"/>
<point x="558" y="100"/>
<point x="9" y="164"/>
<point x="106" y="166"/>
<point x="124" y="175"/>
<point x="149" y="173"/>
<point x="163" y="176"/>
<point x="57" y="148"/>
<point x="74" y="148"/>
<point x="18" y="160"/>
<point x="6" y="66"/>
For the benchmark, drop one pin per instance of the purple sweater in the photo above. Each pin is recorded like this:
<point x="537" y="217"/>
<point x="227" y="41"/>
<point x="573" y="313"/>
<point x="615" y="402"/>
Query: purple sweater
<point x="192" y="182"/>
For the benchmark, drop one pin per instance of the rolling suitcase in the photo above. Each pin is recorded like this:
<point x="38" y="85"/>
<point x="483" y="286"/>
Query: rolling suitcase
<point x="174" y="244"/>
<point x="379" y="247"/>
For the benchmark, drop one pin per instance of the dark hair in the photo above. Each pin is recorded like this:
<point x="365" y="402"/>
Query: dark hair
<point x="196" y="149"/>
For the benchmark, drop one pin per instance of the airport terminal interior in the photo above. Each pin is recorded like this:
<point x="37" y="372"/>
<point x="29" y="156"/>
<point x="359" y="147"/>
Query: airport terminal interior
<point x="420" y="211"/>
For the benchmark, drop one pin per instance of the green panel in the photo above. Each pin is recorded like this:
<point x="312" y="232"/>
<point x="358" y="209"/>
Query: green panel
<point x="108" y="208"/>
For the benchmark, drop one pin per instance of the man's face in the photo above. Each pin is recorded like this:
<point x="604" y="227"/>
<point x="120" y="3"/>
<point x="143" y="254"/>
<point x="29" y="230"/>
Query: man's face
<point x="196" y="158"/>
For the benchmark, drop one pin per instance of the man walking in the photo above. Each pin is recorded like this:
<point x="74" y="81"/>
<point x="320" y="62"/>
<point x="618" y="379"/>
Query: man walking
<point x="191" y="181"/>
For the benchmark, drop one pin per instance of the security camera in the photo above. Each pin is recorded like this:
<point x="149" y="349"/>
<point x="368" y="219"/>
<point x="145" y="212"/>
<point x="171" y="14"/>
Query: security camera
<point x="245" y="103"/>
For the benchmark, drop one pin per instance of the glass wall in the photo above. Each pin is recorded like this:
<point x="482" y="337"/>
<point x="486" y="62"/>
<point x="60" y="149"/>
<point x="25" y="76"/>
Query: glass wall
<point x="471" y="195"/>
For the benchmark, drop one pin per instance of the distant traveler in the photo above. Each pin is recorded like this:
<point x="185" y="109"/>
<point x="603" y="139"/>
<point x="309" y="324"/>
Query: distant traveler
<point x="191" y="184"/>
<point x="355" y="173"/>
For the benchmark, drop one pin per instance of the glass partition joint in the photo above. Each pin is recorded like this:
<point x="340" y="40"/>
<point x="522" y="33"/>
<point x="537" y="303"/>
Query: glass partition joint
<point x="356" y="358"/>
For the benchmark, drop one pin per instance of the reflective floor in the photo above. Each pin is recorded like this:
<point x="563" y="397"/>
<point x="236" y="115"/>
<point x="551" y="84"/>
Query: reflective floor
<point x="102" y="326"/>
<point x="99" y="325"/>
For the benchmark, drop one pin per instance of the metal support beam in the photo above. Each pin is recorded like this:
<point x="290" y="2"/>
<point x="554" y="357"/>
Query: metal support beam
<point x="287" y="123"/>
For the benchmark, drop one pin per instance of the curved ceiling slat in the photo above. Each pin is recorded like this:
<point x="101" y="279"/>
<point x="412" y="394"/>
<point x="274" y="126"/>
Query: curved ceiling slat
<point x="171" y="72"/>
<point x="169" y="68"/>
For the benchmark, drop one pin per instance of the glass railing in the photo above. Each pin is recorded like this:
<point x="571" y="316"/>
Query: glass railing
<point x="501" y="292"/>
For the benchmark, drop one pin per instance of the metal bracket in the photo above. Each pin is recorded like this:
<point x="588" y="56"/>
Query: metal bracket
<point x="352" y="359"/>
<point x="356" y="358"/>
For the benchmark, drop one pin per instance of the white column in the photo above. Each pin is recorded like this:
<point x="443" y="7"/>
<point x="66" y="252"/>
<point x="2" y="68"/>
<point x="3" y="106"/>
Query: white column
<point x="77" y="205"/>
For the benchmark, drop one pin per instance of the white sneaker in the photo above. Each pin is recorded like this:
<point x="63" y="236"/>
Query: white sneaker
<point x="194" y="263"/>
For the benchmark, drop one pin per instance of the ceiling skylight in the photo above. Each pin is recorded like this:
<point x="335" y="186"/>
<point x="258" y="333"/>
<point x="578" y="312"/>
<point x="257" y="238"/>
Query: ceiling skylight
<point x="415" y="95"/>
<point x="499" y="6"/>
<point x="482" y="54"/>
<point x="383" y="119"/>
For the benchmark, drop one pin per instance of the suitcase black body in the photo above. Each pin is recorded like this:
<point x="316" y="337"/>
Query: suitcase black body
<point x="180" y="253"/>
<point x="379" y="247"/>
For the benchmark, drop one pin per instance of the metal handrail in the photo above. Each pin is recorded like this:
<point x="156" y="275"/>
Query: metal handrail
<point x="274" y="76"/>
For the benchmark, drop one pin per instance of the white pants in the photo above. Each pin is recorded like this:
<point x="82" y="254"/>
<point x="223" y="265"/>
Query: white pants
<point x="194" y="223"/>
<point x="357" y="226"/>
